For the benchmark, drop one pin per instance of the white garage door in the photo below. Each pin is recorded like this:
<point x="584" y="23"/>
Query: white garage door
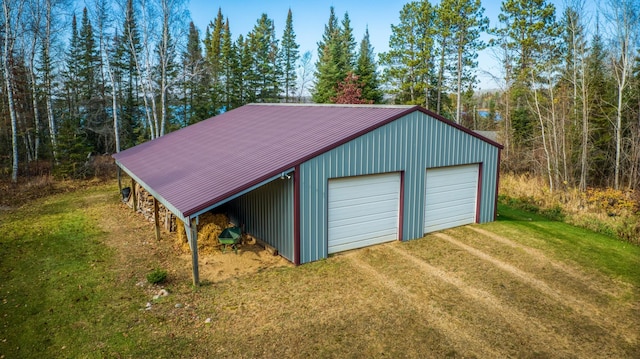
<point x="451" y="197"/>
<point x="363" y="211"/>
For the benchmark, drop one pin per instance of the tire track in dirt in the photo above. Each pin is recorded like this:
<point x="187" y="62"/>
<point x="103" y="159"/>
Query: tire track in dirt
<point x="540" y="256"/>
<point x="439" y="319"/>
<point x="527" y="325"/>
<point x="585" y="309"/>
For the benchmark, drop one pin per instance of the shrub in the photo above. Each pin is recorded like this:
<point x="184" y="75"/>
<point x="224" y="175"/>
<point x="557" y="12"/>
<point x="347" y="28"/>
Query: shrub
<point x="157" y="276"/>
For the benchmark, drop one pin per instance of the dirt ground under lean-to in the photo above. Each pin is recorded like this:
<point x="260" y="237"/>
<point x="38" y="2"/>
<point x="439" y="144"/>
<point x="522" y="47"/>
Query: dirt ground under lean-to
<point x="466" y="292"/>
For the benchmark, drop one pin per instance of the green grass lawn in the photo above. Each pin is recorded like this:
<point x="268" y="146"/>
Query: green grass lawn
<point x="66" y="292"/>
<point x="616" y="258"/>
<point x="60" y="296"/>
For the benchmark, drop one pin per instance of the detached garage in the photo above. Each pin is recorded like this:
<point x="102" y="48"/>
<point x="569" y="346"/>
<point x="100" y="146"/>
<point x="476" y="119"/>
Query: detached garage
<point x="312" y="180"/>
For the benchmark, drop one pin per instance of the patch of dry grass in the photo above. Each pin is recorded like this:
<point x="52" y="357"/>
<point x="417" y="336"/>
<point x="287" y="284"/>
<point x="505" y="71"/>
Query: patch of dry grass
<point x="608" y="211"/>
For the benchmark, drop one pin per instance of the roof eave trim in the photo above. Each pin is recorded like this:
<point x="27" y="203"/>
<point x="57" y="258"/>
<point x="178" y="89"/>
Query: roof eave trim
<point x="230" y="197"/>
<point x="460" y="127"/>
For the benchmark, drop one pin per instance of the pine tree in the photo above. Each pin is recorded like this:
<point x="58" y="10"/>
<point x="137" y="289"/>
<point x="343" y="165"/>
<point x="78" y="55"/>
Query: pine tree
<point x="348" y="45"/>
<point x="443" y="50"/>
<point x="246" y="77"/>
<point x="128" y="49"/>
<point x="228" y="64"/>
<point x="336" y="57"/>
<point x="468" y="23"/>
<point x="409" y="62"/>
<point x="366" y="71"/>
<point x="527" y="27"/>
<point x="601" y="93"/>
<point x="264" y="49"/>
<point x="73" y="146"/>
<point x="92" y="103"/>
<point x="213" y="48"/>
<point x="289" y="58"/>
<point x="192" y="62"/>
<point x="328" y="72"/>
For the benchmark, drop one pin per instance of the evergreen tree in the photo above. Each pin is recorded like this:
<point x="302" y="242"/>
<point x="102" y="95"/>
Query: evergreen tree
<point x="229" y="63"/>
<point x="194" y="86"/>
<point x="128" y="49"/>
<point x="264" y="49"/>
<point x="443" y="50"/>
<point x="527" y="27"/>
<point x="289" y="58"/>
<point x="409" y="62"/>
<point x="246" y="76"/>
<point x="213" y="45"/>
<point x="92" y="103"/>
<point x="73" y="147"/>
<point x="72" y="73"/>
<point x="468" y="23"/>
<point x="328" y="71"/>
<point x="602" y="97"/>
<point x="366" y="71"/>
<point x="213" y="48"/>
<point x="348" y="46"/>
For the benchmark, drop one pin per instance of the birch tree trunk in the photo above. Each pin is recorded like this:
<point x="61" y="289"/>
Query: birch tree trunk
<point x="107" y="71"/>
<point x="164" y="54"/>
<point x="459" y="81"/>
<point x="34" y="98"/>
<point x="46" y="54"/>
<point x="8" y="76"/>
<point x="145" y="84"/>
<point x="543" y="131"/>
<point x="624" y="17"/>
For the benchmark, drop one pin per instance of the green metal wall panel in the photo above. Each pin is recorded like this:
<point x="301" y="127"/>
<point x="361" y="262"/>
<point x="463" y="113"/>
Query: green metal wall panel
<point x="267" y="213"/>
<point x="411" y="144"/>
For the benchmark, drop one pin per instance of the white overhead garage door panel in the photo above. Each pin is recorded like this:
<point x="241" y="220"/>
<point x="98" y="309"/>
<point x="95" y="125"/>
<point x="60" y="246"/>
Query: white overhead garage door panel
<point x="451" y="197"/>
<point x="363" y="210"/>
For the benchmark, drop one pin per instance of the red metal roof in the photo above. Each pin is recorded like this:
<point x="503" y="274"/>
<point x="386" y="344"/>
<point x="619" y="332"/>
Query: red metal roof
<point x="205" y="163"/>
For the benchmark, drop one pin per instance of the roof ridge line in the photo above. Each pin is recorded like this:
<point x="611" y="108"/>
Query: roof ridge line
<point x="328" y="105"/>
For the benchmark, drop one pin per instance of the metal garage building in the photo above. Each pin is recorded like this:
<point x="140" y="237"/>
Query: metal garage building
<point x="312" y="180"/>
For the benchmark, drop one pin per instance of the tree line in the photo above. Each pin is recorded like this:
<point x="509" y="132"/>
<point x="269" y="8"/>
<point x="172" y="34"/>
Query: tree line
<point x="122" y="72"/>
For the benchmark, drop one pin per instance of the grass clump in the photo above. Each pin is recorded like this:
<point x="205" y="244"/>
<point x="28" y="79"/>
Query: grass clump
<point x="157" y="276"/>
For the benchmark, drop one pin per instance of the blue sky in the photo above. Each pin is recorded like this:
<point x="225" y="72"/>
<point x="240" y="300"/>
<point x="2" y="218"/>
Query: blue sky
<point x="310" y="16"/>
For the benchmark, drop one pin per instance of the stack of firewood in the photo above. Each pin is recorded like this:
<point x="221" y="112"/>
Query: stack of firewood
<point x="145" y="206"/>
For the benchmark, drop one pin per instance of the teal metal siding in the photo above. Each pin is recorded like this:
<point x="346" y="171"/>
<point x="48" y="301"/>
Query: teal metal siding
<point x="411" y="144"/>
<point x="267" y="213"/>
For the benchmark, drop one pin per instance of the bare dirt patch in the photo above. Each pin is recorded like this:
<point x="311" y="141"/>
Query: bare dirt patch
<point x="217" y="266"/>
<point x="133" y="237"/>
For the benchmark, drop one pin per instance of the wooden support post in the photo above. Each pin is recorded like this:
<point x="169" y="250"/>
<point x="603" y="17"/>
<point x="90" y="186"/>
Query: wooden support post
<point x="119" y="172"/>
<point x="191" y="228"/>
<point x="134" y="195"/>
<point x="156" y="209"/>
